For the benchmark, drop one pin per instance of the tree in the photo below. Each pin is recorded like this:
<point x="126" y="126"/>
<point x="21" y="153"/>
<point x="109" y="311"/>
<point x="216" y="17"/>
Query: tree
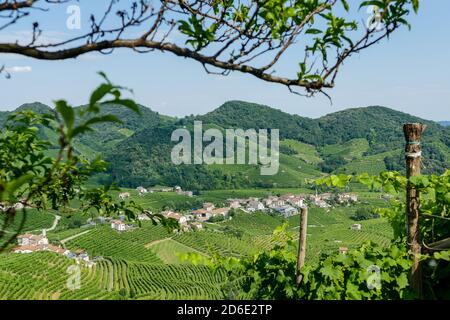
<point x="29" y="178"/>
<point x="223" y="36"/>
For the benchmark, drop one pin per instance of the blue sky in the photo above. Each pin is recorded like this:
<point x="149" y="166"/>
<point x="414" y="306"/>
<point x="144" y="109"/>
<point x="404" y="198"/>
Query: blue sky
<point x="409" y="73"/>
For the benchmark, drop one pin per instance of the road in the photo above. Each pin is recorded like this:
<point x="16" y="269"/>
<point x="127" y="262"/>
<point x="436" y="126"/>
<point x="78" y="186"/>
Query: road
<point x="63" y="241"/>
<point x="55" y="223"/>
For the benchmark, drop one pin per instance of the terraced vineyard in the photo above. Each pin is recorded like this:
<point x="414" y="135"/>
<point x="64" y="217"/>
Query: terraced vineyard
<point x="43" y="275"/>
<point x="217" y="242"/>
<point x="146" y="263"/>
<point x="34" y="220"/>
<point x="103" y="241"/>
<point x="255" y="224"/>
<point x="108" y="279"/>
<point x="150" y="281"/>
<point x="370" y="164"/>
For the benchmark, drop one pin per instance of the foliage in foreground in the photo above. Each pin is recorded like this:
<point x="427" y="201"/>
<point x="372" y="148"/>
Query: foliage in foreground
<point x="29" y="178"/>
<point x="369" y="272"/>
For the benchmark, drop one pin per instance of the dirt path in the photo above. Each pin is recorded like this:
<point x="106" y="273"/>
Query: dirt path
<point x="63" y="241"/>
<point x="55" y="223"/>
<point x="148" y="245"/>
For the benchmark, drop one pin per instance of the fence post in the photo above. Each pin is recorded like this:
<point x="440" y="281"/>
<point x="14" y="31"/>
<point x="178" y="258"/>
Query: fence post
<point x="413" y="155"/>
<point x="302" y="242"/>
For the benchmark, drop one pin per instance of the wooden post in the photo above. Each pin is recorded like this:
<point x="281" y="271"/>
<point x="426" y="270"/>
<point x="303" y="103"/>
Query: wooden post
<point x="302" y="242"/>
<point x="413" y="155"/>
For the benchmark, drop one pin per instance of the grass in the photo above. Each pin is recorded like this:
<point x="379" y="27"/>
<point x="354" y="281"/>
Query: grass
<point x="292" y="171"/>
<point x="306" y="152"/>
<point x="170" y="251"/>
<point x="371" y="164"/>
<point x="350" y="150"/>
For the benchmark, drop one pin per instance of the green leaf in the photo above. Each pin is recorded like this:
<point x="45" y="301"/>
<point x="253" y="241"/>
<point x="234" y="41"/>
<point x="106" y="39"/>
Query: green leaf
<point x="345" y="4"/>
<point x="402" y="281"/>
<point x="444" y="255"/>
<point x="17" y="183"/>
<point x="415" y="4"/>
<point x="313" y="31"/>
<point x="98" y="94"/>
<point x="66" y="112"/>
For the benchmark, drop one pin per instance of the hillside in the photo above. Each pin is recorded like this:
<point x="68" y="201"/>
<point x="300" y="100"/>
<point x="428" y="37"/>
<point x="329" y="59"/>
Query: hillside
<point x="107" y="135"/>
<point x="351" y="141"/>
<point x="245" y="115"/>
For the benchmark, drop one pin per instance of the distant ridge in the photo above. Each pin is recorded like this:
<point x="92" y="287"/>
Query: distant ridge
<point x="367" y="139"/>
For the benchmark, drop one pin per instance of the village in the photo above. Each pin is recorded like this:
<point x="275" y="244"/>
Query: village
<point x="29" y="243"/>
<point x="285" y="206"/>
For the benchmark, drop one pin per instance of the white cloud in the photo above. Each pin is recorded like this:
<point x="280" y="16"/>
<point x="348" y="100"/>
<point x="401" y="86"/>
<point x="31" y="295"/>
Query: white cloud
<point x="18" y="69"/>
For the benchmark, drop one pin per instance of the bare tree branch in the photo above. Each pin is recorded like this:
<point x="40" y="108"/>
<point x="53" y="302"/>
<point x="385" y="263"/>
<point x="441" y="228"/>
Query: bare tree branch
<point x="246" y="36"/>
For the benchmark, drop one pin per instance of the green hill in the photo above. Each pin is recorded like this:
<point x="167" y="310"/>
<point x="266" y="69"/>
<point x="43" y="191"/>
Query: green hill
<point x="107" y="135"/>
<point x="354" y="140"/>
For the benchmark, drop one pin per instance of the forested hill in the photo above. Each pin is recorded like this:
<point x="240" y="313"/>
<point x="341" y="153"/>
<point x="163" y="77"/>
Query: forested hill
<point x="107" y="135"/>
<point x="351" y="141"/>
<point x="376" y="124"/>
<point x="245" y="115"/>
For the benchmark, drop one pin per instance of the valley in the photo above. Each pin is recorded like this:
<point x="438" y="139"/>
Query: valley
<point x="147" y="261"/>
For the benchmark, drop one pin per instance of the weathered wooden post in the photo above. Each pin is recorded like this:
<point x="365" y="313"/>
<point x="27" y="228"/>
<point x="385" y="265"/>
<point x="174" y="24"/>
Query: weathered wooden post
<point x="413" y="155"/>
<point x="302" y="242"/>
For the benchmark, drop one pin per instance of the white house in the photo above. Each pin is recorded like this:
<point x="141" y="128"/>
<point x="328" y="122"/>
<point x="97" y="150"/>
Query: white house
<point x="253" y="206"/>
<point x="317" y="200"/>
<point x="144" y="216"/>
<point x="221" y="211"/>
<point x="208" y="206"/>
<point x="177" y="216"/>
<point x="278" y="203"/>
<point x="141" y="190"/>
<point x="202" y="214"/>
<point x="287" y="211"/>
<point x="197" y="225"/>
<point x="356" y="226"/>
<point x="234" y="204"/>
<point x="26" y="249"/>
<point x="118" y="225"/>
<point x="31" y="239"/>
<point x="267" y="201"/>
<point x="124" y="195"/>
<point x="296" y="201"/>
